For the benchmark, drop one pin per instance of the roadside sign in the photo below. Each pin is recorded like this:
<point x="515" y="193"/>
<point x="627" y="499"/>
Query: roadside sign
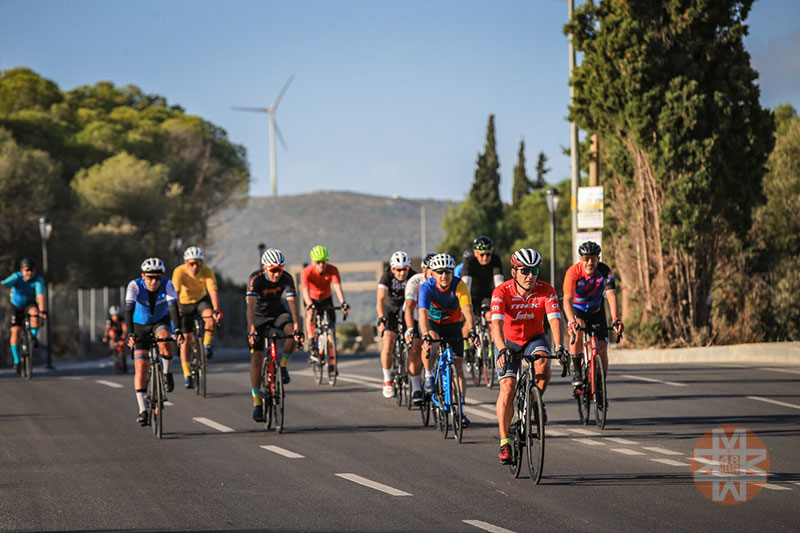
<point x="590" y="207"/>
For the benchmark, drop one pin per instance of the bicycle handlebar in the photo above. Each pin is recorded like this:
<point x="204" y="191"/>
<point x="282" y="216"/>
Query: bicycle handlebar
<point x="593" y="329"/>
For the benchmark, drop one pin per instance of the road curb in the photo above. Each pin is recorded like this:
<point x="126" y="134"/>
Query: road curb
<point x="783" y="353"/>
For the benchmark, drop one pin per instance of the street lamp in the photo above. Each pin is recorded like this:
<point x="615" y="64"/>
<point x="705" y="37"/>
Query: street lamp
<point x="45" y="229"/>
<point x="261" y="248"/>
<point x="552" y="205"/>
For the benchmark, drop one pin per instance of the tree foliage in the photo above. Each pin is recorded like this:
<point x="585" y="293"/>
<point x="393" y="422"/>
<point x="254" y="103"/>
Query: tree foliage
<point x="669" y="88"/>
<point x="522" y="184"/>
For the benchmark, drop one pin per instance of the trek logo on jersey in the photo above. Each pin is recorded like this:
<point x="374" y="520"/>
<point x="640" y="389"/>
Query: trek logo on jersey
<point x="526" y="305"/>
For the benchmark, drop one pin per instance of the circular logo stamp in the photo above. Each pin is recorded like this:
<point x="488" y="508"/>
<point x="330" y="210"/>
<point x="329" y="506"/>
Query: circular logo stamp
<point x="730" y="465"/>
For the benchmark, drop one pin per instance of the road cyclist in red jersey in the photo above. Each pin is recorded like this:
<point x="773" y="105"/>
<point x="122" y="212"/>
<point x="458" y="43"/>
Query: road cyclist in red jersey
<point x="519" y="307"/>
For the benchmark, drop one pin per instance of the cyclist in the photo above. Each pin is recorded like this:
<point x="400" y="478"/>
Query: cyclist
<point x="585" y="284"/>
<point x="415" y="361"/>
<point x="483" y="271"/>
<point x="27" y="299"/>
<point x="460" y="267"/>
<point x="196" y="286"/>
<point x="442" y="301"/>
<point x="150" y="304"/>
<point x="116" y="330"/>
<point x="318" y="281"/>
<point x="391" y="293"/>
<point x="519" y="308"/>
<point x="266" y="311"/>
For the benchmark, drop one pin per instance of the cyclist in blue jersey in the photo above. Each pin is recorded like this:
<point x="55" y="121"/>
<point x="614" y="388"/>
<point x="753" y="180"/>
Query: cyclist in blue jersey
<point x="27" y="298"/>
<point x="460" y="266"/>
<point x="150" y="304"/>
<point x="443" y="299"/>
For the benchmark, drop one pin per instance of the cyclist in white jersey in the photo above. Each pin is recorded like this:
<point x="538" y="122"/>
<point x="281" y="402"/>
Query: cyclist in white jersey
<point x="415" y="361"/>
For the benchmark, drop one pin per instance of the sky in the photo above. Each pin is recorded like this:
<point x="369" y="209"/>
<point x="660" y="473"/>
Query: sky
<point x="388" y="97"/>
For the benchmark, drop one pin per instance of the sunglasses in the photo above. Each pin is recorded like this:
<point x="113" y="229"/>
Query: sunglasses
<point x="26" y="269"/>
<point x="527" y="271"/>
<point x="194" y="263"/>
<point x="275" y="269"/>
<point x="441" y="271"/>
<point x="320" y="263"/>
<point x="483" y="254"/>
<point x="151" y="277"/>
<point x="400" y="269"/>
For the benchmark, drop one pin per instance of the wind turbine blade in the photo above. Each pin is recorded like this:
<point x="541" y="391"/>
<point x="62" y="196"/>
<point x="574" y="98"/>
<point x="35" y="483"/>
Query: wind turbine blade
<point x="280" y="137"/>
<point x="259" y="109"/>
<point x="274" y="105"/>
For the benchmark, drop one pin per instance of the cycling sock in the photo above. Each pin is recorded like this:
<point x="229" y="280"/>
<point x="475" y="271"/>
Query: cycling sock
<point x="503" y="442"/>
<point x="165" y="362"/>
<point x="34" y="331"/>
<point x="428" y="374"/>
<point x="387" y="374"/>
<point x="141" y="394"/>
<point x="207" y="338"/>
<point x="187" y="369"/>
<point x="15" y="353"/>
<point x="416" y="383"/>
<point x="256" y="397"/>
<point x="285" y="360"/>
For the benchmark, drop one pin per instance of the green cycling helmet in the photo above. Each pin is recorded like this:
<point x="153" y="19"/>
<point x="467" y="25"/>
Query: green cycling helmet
<point x="319" y="253"/>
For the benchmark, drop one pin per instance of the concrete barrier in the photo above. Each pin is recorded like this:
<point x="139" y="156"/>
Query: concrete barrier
<point x="783" y="353"/>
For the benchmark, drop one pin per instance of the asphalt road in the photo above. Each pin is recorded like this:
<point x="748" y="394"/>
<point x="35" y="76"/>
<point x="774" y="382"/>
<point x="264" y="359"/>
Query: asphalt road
<point x="73" y="458"/>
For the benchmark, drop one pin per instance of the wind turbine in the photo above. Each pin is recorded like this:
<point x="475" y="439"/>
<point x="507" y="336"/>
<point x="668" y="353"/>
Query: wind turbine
<point x="273" y="130"/>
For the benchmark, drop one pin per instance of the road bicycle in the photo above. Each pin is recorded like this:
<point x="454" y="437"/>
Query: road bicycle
<point x="197" y="357"/>
<point x="447" y="398"/>
<point x="592" y="394"/>
<point x="273" y="392"/>
<point x="482" y="367"/>
<point x="527" y="426"/>
<point x="27" y="348"/>
<point x="156" y="394"/>
<point x="320" y="357"/>
<point x="118" y="357"/>
<point x="400" y="378"/>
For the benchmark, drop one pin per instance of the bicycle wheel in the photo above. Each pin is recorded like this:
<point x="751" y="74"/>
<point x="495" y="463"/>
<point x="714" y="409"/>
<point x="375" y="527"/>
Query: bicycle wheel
<point x="322" y="356"/>
<point x="121" y="353"/>
<point x="489" y="373"/>
<point x="599" y="399"/>
<point x="425" y="409"/>
<point x="456" y="405"/>
<point x="26" y="352"/>
<point x="202" y="370"/>
<point x="158" y="407"/>
<point x="278" y="403"/>
<point x="266" y="390"/>
<point x="329" y="358"/>
<point x="584" y="398"/>
<point x="397" y="372"/>
<point x="534" y="431"/>
<point x="444" y="422"/>
<point x="515" y="429"/>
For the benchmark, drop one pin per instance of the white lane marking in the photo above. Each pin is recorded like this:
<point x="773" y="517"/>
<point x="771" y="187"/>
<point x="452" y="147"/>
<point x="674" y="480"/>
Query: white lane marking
<point x="670" y="462"/>
<point x="771" y="486"/>
<point x="622" y="441"/>
<point x="486" y="526"/>
<point x="590" y="442"/>
<point x="651" y="380"/>
<point x="215" y="425"/>
<point x="626" y="451"/>
<point x="554" y="433"/>
<point x="373" y="484"/>
<point x="776" y="402"/>
<point x="478" y="412"/>
<point x="283" y="452"/>
<point x="785" y="370"/>
<point x="108" y="383"/>
<point x="368" y="379"/>
<point x="72" y="377"/>
<point x="704" y="460"/>
<point x="169" y="403"/>
<point x="661" y="450"/>
<point x="581" y="431"/>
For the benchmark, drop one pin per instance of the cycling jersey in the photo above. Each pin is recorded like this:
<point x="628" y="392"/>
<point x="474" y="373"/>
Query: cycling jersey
<point x="192" y="289"/>
<point x="482" y="276"/>
<point x="151" y="307"/>
<point x="444" y="307"/>
<point x="269" y="294"/>
<point x="457" y="272"/>
<point x="588" y="290"/>
<point x="24" y="293"/>
<point x="396" y="288"/>
<point x="319" y="285"/>
<point x="412" y="291"/>
<point x="523" y="318"/>
<point x="118" y="328"/>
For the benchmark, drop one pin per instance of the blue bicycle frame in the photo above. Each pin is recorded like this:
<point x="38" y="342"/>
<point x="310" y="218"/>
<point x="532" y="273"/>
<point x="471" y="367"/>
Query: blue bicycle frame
<point x="447" y="396"/>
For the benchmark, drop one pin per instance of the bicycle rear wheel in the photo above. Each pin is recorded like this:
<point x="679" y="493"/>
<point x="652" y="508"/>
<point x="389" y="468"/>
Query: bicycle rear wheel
<point x="425" y="409"/>
<point x="534" y="431"/>
<point x="27" y="354"/>
<point x="599" y="397"/>
<point x="456" y="405"/>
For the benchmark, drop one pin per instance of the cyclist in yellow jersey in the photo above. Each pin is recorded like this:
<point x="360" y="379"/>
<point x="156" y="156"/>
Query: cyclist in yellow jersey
<point x="196" y="286"/>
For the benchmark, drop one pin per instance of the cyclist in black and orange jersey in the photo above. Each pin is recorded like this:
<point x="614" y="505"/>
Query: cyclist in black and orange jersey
<point x="116" y="330"/>
<point x="482" y="272"/>
<point x="196" y="286"/>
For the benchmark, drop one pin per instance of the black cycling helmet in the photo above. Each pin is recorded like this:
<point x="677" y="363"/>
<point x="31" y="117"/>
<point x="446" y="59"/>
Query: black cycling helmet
<point x="589" y="248"/>
<point x="426" y="260"/>
<point x="27" y="263"/>
<point x="483" y="244"/>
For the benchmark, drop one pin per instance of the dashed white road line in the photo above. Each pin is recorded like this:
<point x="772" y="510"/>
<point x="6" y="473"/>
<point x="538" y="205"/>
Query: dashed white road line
<point x="486" y="526"/>
<point x="772" y="486"/>
<point x="651" y="380"/>
<point x="776" y="402"/>
<point x="591" y="442"/>
<point x="170" y="404"/>
<point x="215" y="425"/>
<point x="619" y="440"/>
<point x="108" y="383"/>
<point x="581" y="431"/>
<point x="283" y="452"/>
<point x="661" y="450"/>
<point x="481" y="413"/>
<point x="373" y="485"/>
<point x="670" y="462"/>
<point x="554" y="433"/>
<point x="626" y="451"/>
<point x="785" y="370"/>
<point x="704" y="460"/>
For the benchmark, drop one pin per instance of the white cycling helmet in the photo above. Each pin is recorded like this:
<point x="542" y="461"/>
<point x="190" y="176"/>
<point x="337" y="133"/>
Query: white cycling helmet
<point x="439" y="261"/>
<point x="152" y="265"/>
<point x="400" y="260"/>
<point x="526" y="257"/>
<point x="273" y="257"/>
<point x="113" y="310"/>
<point x="193" y="252"/>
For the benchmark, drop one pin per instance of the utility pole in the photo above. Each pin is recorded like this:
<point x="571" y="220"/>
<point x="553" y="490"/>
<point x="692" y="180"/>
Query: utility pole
<point x="574" y="156"/>
<point x="594" y="162"/>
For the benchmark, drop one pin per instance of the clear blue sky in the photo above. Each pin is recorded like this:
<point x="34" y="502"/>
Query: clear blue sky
<point x="388" y="97"/>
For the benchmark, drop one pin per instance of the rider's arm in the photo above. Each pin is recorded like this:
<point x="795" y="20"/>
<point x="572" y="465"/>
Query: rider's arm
<point x="382" y="291"/>
<point x="423" y="322"/>
<point x="9" y="281"/>
<point x="497" y="270"/>
<point x="292" y="303"/>
<point x="337" y="288"/>
<point x="130" y="303"/>
<point x="251" y="300"/>
<point x="172" y="306"/>
<point x="467" y="281"/>
<point x="409" y="313"/>
<point x="569" y="296"/>
<point x="496" y="328"/>
<point x="465" y="301"/>
<point x="211" y="287"/>
<point x="41" y="302"/>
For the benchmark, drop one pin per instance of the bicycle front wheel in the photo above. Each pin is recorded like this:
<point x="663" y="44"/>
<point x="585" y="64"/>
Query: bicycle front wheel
<point x="158" y="407"/>
<point x="599" y="397"/>
<point x="278" y="403"/>
<point x="322" y="357"/>
<point x="27" y="354"/>
<point x="331" y="335"/>
<point x="515" y="430"/>
<point x="534" y="431"/>
<point x="487" y="361"/>
<point x="444" y="416"/>
<point x="456" y="404"/>
<point x="425" y="409"/>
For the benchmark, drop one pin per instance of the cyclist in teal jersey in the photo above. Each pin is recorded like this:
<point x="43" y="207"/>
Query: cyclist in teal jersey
<point x="27" y="298"/>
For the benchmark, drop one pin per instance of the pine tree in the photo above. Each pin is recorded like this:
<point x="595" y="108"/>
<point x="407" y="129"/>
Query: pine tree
<point x="522" y="184"/>
<point x="541" y="170"/>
